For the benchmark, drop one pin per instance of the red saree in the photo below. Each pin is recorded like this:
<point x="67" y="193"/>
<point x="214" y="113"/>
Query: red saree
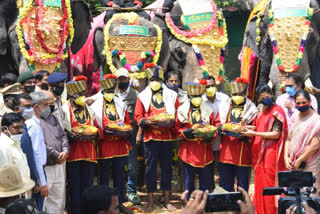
<point x="268" y="158"/>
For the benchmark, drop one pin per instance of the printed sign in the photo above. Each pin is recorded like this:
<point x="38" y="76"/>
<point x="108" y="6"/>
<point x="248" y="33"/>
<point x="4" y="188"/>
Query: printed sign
<point x="131" y="29"/>
<point x="52" y="3"/>
<point x="198" y="18"/>
<point x="279" y="13"/>
<point x="191" y="7"/>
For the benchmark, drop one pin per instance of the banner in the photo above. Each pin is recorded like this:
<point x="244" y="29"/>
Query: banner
<point x="131" y="29"/>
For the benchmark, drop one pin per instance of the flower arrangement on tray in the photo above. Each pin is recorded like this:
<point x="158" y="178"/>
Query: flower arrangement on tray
<point x="204" y="131"/>
<point x="119" y="129"/>
<point x="232" y="129"/>
<point x="86" y="132"/>
<point x="163" y="120"/>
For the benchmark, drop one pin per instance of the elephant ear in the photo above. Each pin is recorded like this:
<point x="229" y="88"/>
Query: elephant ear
<point x="98" y="45"/>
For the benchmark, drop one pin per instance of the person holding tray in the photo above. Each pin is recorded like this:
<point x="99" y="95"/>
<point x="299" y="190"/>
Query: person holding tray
<point x="196" y="153"/>
<point x="157" y="100"/>
<point x="81" y="163"/>
<point x="112" y="118"/>
<point x="235" y="154"/>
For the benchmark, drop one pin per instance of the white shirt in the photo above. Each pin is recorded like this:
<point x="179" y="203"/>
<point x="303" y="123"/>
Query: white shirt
<point x="220" y="98"/>
<point x="38" y="145"/>
<point x="12" y="154"/>
<point x="124" y="94"/>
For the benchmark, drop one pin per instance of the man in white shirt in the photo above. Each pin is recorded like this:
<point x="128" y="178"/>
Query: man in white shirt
<point x="10" y="150"/>
<point x="40" y="104"/>
<point x="173" y="82"/>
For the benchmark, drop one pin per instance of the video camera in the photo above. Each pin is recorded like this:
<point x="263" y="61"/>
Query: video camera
<point x="290" y="184"/>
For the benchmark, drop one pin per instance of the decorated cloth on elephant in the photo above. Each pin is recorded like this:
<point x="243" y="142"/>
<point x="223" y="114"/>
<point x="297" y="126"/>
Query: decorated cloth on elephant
<point x="124" y="4"/>
<point x="81" y="163"/>
<point x="196" y="153"/>
<point x="112" y="149"/>
<point x="153" y="101"/>
<point x="235" y="152"/>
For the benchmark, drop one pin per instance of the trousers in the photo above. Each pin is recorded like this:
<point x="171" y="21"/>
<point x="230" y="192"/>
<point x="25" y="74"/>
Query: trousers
<point x="56" y="180"/>
<point x="228" y="173"/>
<point x="80" y="176"/>
<point x="118" y="174"/>
<point x="132" y="167"/>
<point x="163" y="151"/>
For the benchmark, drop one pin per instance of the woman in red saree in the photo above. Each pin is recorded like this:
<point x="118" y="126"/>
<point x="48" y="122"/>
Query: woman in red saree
<point x="267" y="149"/>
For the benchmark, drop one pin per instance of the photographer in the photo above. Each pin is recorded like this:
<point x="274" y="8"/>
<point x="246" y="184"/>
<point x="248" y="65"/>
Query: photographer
<point x="309" y="210"/>
<point x="198" y="200"/>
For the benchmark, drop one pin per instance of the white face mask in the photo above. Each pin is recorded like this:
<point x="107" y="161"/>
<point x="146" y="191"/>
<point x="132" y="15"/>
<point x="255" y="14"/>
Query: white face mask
<point x="14" y="137"/>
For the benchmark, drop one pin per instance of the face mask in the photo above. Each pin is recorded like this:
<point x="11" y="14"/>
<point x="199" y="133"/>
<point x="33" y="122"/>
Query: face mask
<point x="57" y="90"/>
<point x="30" y="88"/>
<point x="81" y="101"/>
<point x="155" y="85"/>
<point x="27" y="113"/>
<point x="44" y="86"/>
<point x="237" y="99"/>
<point x="123" y="85"/>
<point x="196" y="101"/>
<point x="52" y="108"/>
<point x="15" y="137"/>
<point x="45" y="113"/>
<point x="173" y="87"/>
<point x="211" y="91"/>
<point x="267" y="101"/>
<point x="108" y="97"/>
<point x="303" y="108"/>
<point x="290" y="90"/>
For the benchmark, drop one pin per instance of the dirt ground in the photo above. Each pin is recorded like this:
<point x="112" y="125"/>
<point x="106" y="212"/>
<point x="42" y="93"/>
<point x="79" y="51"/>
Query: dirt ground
<point x="177" y="189"/>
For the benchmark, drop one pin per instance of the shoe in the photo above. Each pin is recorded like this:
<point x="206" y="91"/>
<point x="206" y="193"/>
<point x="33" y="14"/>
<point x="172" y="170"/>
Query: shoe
<point x="134" y="198"/>
<point x="125" y="210"/>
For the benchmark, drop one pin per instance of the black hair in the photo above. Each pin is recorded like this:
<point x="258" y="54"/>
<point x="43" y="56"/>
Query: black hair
<point x="18" y="97"/>
<point x="174" y="73"/>
<point x="41" y="74"/>
<point x="303" y="93"/>
<point x="262" y="89"/>
<point x="297" y="79"/>
<point x="9" y="118"/>
<point x="9" y="79"/>
<point x="96" y="198"/>
<point x="209" y="78"/>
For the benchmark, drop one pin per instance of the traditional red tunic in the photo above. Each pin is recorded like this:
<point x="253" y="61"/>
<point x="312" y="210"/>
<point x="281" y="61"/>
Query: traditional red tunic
<point x="153" y="133"/>
<point x="232" y="150"/>
<point x="268" y="158"/>
<point x="195" y="152"/>
<point x="110" y="146"/>
<point x="81" y="149"/>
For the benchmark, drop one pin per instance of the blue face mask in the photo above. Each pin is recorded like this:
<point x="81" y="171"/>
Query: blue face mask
<point x="267" y="101"/>
<point x="303" y="108"/>
<point x="173" y="87"/>
<point x="290" y="90"/>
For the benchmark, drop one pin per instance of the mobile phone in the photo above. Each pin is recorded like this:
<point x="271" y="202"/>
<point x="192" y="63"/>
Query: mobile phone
<point x="223" y="202"/>
<point x="295" y="179"/>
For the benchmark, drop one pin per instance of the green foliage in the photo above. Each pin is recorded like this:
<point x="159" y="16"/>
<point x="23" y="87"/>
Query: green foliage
<point x="147" y="2"/>
<point x="226" y="3"/>
<point x="94" y="7"/>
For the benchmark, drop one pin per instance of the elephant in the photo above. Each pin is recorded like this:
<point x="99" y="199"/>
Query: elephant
<point x="268" y="69"/>
<point x="99" y="43"/>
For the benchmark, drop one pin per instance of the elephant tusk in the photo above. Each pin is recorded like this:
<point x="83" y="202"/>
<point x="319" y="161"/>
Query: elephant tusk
<point x="270" y="84"/>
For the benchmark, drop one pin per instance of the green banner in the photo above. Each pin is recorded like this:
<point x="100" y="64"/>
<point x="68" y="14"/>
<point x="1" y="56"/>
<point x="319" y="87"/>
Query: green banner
<point x="132" y="29"/>
<point x="51" y="3"/>
<point x="198" y="18"/>
<point x="290" y="13"/>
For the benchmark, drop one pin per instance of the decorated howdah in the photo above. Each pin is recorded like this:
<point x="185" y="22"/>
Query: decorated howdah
<point x="133" y="43"/>
<point x="205" y="29"/>
<point x="44" y="29"/>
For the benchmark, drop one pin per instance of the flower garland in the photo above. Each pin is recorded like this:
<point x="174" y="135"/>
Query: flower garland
<point x="260" y="15"/>
<point x="306" y="29"/>
<point x="27" y="48"/>
<point x="196" y="33"/>
<point x="181" y="35"/>
<point x="131" y="17"/>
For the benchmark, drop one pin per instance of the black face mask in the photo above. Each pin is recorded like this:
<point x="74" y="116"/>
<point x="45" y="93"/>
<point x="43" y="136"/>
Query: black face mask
<point x="123" y="85"/>
<point x="30" y="88"/>
<point x="52" y="108"/>
<point x="57" y="90"/>
<point x="44" y="86"/>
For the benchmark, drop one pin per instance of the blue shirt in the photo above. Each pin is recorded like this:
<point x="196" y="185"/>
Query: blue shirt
<point x="38" y="145"/>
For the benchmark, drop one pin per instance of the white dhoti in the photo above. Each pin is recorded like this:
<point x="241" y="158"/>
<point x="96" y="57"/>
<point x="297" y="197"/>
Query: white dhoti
<point x="56" y="182"/>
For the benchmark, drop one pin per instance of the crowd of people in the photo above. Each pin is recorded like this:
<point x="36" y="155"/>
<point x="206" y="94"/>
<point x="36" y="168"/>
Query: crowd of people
<point x="43" y="158"/>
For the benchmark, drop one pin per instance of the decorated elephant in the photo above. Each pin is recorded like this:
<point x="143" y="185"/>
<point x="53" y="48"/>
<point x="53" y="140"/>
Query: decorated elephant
<point x="281" y="37"/>
<point x="132" y="42"/>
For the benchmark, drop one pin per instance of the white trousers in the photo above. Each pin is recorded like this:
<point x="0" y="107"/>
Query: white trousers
<point x="56" y="182"/>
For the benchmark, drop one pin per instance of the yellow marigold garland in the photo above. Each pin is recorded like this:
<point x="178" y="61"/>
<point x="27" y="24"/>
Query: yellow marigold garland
<point x="131" y="17"/>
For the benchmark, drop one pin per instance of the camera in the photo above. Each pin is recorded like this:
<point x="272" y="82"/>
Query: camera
<point x="298" y="186"/>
